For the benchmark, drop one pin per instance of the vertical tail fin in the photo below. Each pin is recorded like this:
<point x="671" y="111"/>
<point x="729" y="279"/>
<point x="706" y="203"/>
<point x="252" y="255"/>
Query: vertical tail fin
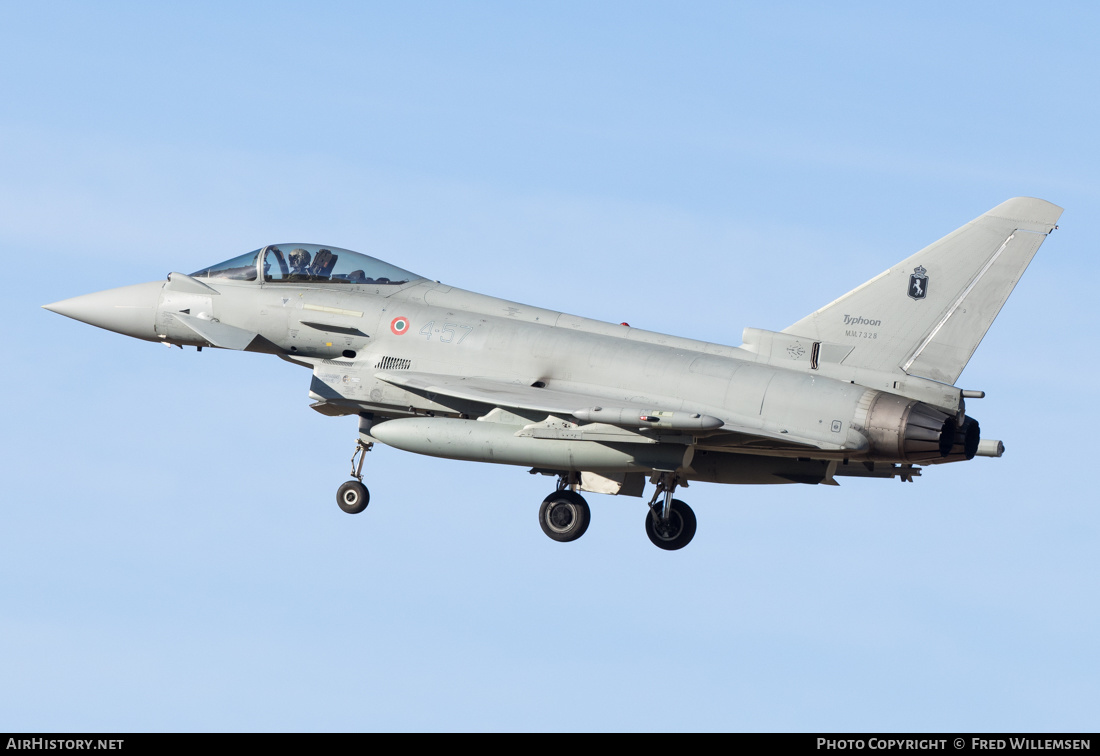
<point x="926" y="315"/>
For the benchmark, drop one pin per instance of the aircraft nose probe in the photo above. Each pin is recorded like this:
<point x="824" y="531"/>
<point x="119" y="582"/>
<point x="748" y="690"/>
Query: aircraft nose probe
<point x="129" y="310"/>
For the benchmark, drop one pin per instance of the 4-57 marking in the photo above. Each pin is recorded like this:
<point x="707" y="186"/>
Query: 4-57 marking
<point x="448" y="332"/>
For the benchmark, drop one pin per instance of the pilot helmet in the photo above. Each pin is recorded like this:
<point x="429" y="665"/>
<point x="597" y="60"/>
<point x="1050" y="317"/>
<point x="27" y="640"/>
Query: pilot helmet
<point x="299" y="258"/>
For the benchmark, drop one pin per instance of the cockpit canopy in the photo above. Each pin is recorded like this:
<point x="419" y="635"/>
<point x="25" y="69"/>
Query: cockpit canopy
<point x="308" y="263"/>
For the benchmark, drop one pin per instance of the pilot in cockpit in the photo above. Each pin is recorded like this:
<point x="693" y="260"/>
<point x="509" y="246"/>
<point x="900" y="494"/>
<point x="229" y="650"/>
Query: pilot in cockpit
<point x="299" y="260"/>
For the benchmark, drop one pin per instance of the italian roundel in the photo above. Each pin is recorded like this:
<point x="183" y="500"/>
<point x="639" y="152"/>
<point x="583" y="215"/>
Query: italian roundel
<point x="399" y="326"/>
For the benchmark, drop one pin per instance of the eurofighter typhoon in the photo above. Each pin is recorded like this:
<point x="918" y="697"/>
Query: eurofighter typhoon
<point x="864" y="386"/>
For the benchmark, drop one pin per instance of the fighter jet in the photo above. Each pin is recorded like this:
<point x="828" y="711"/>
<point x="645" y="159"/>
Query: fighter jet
<point x="863" y="387"/>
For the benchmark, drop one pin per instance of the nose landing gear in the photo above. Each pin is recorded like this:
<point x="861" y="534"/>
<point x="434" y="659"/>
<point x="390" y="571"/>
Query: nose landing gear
<point x="353" y="497"/>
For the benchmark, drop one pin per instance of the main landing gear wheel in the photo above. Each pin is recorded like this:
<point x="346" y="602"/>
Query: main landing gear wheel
<point x="564" y="515"/>
<point x="674" y="534"/>
<point x="353" y="497"/>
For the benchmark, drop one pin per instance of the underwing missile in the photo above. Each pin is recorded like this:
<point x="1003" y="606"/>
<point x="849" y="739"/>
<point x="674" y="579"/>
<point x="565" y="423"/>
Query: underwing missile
<point x="639" y="418"/>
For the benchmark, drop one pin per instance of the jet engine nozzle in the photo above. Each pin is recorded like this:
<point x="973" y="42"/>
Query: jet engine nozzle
<point x="965" y="441"/>
<point x="905" y="430"/>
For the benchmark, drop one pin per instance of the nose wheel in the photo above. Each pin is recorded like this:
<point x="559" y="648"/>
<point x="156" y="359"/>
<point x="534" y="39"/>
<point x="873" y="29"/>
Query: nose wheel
<point x="353" y="497"/>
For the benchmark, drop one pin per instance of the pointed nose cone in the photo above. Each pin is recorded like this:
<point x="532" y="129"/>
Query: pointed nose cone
<point x="129" y="310"/>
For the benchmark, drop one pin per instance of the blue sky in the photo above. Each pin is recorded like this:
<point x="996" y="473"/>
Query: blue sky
<point x="173" y="556"/>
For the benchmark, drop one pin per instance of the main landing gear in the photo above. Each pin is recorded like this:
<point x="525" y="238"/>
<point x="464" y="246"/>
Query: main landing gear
<point x="670" y="525"/>
<point x="564" y="514"/>
<point x="353" y="497"/>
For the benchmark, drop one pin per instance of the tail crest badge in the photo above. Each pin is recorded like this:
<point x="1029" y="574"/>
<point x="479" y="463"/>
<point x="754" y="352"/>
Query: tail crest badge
<point x="918" y="283"/>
